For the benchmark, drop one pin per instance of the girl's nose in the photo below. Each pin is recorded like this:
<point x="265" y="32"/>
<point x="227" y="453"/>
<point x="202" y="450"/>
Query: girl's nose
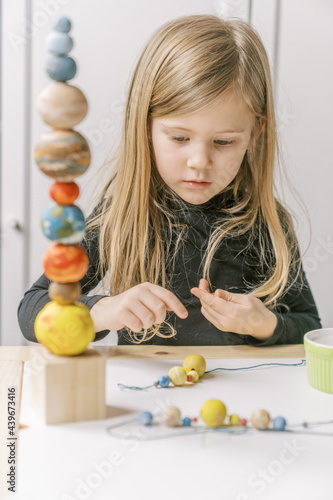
<point x="199" y="157"/>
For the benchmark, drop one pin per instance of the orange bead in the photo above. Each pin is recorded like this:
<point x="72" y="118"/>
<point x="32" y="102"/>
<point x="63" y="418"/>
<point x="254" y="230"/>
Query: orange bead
<point x="65" y="263"/>
<point x="64" y="193"/>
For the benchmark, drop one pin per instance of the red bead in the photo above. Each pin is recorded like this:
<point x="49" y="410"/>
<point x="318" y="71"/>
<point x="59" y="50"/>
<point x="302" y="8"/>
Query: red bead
<point x="194" y="419"/>
<point x="64" y="193"/>
<point x="243" y="422"/>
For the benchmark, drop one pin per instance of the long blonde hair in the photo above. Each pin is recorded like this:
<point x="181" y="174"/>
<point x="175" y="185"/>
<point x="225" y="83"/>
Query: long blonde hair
<point x="187" y="63"/>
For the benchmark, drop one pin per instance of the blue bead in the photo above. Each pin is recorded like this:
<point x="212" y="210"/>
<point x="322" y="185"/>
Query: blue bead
<point x="186" y="422"/>
<point x="63" y="25"/>
<point x="163" y="380"/>
<point x="145" y="418"/>
<point x="58" y="43"/>
<point x="61" y="68"/>
<point x="279" y="423"/>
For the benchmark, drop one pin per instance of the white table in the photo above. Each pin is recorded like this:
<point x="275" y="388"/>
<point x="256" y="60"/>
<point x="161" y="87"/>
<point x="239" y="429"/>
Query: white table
<point x="81" y="461"/>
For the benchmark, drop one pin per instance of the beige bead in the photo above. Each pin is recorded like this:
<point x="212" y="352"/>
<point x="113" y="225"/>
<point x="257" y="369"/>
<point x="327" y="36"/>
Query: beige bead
<point x="260" y="419"/>
<point x="172" y="416"/>
<point x="62" y="155"/>
<point x="61" y="105"/>
<point x="65" y="293"/>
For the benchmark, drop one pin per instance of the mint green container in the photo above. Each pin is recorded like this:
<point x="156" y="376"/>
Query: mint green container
<point x="318" y="346"/>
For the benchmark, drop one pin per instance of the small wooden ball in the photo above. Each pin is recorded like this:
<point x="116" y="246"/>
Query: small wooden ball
<point x="234" y="419"/>
<point x="195" y="362"/>
<point x="172" y="416"/>
<point x="178" y="375"/>
<point x="213" y="412"/>
<point x="64" y="193"/>
<point x="260" y="419"/>
<point x="145" y="418"/>
<point x="62" y="105"/>
<point x="62" y="155"/>
<point x="163" y="380"/>
<point x="65" y="263"/>
<point x="64" y="330"/>
<point x="192" y="376"/>
<point x="64" y="293"/>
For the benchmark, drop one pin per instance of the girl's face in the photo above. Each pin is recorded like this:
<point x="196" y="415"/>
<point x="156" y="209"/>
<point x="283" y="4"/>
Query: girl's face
<point x="199" y="154"/>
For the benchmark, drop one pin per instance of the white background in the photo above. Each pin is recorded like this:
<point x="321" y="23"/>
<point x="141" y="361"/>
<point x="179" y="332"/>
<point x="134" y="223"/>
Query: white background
<point x="109" y="37"/>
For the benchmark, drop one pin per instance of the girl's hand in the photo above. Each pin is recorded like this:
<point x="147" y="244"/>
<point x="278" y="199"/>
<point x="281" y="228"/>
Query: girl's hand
<point x="139" y="307"/>
<point x="235" y="312"/>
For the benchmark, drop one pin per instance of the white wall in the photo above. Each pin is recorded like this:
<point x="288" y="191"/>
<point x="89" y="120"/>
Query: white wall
<point x="108" y="38"/>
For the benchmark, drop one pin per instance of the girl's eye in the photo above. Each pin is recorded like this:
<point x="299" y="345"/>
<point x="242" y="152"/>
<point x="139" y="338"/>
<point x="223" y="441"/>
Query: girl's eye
<point x="178" y="139"/>
<point x="183" y="139"/>
<point x="224" y="143"/>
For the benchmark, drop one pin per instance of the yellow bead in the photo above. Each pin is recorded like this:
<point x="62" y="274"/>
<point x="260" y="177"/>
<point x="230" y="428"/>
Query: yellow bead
<point x="178" y="375"/>
<point x="195" y="362"/>
<point x="192" y="376"/>
<point x="260" y="419"/>
<point x="233" y="419"/>
<point x="213" y="412"/>
<point x="65" y="330"/>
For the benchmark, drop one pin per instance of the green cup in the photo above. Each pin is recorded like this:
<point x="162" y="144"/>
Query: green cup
<point x="318" y="346"/>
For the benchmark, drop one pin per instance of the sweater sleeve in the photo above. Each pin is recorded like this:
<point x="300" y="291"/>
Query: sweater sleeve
<point x="296" y="315"/>
<point x="37" y="296"/>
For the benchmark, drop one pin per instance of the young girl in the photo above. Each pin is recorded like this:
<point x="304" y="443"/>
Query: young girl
<point x="188" y="240"/>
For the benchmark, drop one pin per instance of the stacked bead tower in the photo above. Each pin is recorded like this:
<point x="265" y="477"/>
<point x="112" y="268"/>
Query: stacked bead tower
<point x="64" y="326"/>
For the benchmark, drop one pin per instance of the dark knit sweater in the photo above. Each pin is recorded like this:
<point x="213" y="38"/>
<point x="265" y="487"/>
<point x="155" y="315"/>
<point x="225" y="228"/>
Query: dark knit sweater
<point x="232" y="269"/>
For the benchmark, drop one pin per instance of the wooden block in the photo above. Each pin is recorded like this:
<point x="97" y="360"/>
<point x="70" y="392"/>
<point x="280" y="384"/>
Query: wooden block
<point x="69" y="389"/>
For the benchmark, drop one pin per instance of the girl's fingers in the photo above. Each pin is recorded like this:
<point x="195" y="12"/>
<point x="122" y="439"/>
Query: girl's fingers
<point x="171" y="302"/>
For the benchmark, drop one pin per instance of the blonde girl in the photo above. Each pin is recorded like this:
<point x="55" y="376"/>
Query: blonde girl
<point x="188" y="238"/>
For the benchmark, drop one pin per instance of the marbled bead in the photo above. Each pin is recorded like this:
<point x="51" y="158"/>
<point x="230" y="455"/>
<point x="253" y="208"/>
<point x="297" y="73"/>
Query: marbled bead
<point x="64" y="25"/>
<point x="62" y="105"/>
<point x="61" y="68"/>
<point x="62" y="154"/>
<point x="58" y="43"/>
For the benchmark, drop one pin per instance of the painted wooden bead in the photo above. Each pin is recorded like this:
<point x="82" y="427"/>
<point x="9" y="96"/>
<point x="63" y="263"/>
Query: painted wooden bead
<point x="178" y="375"/>
<point x="58" y="43"/>
<point x="260" y="419"/>
<point x="63" y="223"/>
<point x="279" y="423"/>
<point x="243" y="422"/>
<point x="213" y="412"/>
<point x="64" y="330"/>
<point x="61" y="68"/>
<point x="172" y="416"/>
<point x="62" y="155"/>
<point x="64" y="193"/>
<point x="192" y="376"/>
<point x="145" y="418"/>
<point x="187" y="422"/>
<point x="64" y="293"/>
<point x="195" y="362"/>
<point x="234" y="419"/>
<point x="64" y="25"/>
<point x="65" y="263"/>
<point x="62" y="105"/>
<point x="163" y="380"/>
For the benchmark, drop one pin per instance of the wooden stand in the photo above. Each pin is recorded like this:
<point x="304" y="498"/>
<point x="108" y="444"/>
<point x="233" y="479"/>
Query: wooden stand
<point x="69" y="389"/>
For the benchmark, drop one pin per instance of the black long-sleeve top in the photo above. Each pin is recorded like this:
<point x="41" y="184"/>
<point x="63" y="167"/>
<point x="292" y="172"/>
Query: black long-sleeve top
<point x="231" y="269"/>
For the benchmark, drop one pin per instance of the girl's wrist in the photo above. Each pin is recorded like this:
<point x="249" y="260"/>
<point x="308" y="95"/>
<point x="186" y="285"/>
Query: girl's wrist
<point x="96" y="313"/>
<point x="268" y="328"/>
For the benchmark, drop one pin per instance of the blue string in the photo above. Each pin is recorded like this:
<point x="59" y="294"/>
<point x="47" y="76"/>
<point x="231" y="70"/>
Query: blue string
<point x="302" y="363"/>
<point x="135" y="388"/>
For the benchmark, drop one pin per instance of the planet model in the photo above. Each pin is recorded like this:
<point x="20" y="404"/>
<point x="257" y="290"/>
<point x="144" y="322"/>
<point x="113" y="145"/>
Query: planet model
<point x="63" y="223"/>
<point x="65" y="330"/>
